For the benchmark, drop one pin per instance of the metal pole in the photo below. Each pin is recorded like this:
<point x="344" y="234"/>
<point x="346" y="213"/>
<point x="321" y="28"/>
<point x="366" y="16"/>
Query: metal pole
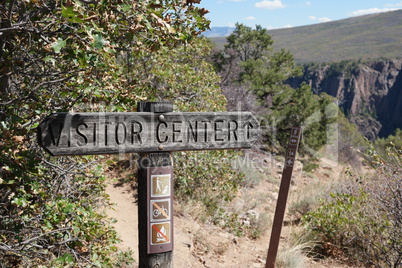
<point x="283" y="196"/>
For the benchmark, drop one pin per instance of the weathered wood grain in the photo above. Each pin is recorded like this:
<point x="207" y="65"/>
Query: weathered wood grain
<point x="137" y="132"/>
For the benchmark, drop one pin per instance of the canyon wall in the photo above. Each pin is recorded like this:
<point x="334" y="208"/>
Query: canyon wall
<point x="370" y="93"/>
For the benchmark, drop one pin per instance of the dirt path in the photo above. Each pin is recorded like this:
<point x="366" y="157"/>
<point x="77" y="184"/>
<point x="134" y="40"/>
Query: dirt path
<point x="197" y="244"/>
<point x="125" y="212"/>
<point x="186" y="232"/>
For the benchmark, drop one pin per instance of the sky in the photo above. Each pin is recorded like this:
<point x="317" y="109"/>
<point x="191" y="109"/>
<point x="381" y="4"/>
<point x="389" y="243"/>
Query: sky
<point x="275" y="14"/>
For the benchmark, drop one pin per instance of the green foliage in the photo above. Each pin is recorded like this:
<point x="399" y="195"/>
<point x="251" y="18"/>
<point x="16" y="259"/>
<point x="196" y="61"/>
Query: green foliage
<point x="248" y="60"/>
<point x="181" y="75"/>
<point x="334" y="218"/>
<point x="310" y="164"/>
<point x="300" y="107"/>
<point x="207" y="177"/>
<point x="251" y="44"/>
<point x="56" y="56"/>
<point x="346" y="68"/>
<point x="335" y="69"/>
<point x="228" y="221"/>
<point x="75" y="45"/>
<point x="364" y="218"/>
<point x="248" y="57"/>
<point x="382" y="145"/>
<point x="51" y="217"/>
<point x="350" y="142"/>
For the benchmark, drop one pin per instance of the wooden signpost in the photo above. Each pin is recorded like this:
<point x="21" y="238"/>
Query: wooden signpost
<point x="141" y="132"/>
<point x="153" y="131"/>
<point x="290" y="158"/>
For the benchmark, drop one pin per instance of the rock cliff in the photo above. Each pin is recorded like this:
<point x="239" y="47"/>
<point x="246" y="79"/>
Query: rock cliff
<point x="370" y="93"/>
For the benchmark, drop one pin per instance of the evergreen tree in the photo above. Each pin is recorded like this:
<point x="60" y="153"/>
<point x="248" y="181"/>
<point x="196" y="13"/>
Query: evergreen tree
<point x="249" y="60"/>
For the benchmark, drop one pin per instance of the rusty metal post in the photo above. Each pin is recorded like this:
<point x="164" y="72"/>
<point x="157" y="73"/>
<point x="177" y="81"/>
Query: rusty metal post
<point x="283" y="196"/>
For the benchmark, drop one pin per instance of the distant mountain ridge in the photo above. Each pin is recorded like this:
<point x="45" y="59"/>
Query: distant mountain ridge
<point x="218" y="32"/>
<point x="369" y="91"/>
<point x="370" y="36"/>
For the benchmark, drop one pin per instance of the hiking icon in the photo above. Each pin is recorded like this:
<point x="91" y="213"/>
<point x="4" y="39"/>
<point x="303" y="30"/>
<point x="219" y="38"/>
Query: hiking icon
<point x="160" y="185"/>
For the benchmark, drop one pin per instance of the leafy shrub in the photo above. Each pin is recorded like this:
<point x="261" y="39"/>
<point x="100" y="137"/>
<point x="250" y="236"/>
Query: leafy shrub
<point x="208" y="177"/>
<point x="55" y="217"/>
<point x="335" y="217"/>
<point x="350" y="142"/>
<point x="365" y="220"/>
<point x="382" y="145"/>
<point x="57" y="56"/>
<point x="310" y="164"/>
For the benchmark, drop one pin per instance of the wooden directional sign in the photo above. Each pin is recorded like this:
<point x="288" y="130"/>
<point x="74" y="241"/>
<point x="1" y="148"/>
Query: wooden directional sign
<point x="139" y="132"/>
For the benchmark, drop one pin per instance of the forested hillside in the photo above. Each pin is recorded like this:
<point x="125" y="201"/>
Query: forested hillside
<point x="347" y="60"/>
<point x="365" y="37"/>
<point x="249" y="64"/>
<point x="370" y="36"/>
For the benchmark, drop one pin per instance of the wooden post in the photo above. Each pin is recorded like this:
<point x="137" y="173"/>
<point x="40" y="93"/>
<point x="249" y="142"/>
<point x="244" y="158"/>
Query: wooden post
<point x="155" y="201"/>
<point x="153" y="132"/>
<point x="283" y="196"/>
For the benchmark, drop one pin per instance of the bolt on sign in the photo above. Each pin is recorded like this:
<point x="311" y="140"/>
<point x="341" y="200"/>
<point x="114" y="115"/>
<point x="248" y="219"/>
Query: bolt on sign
<point x="109" y="133"/>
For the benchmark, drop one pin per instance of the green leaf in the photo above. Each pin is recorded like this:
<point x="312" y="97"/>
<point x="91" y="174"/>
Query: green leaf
<point x="20" y="202"/>
<point x="70" y="14"/>
<point x="68" y="208"/>
<point x="98" y="41"/>
<point x="65" y="259"/>
<point x="59" y="45"/>
<point x="50" y="59"/>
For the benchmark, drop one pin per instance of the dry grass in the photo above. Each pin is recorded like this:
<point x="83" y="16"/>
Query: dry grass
<point x="291" y="257"/>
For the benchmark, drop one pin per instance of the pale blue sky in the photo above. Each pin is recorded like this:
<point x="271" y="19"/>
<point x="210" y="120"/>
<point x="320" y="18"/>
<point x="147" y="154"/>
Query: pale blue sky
<point x="273" y="14"/>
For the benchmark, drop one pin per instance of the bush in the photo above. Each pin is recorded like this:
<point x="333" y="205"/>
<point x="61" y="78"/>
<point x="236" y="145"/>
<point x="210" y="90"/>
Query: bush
<point x="382" y="145"/>
<point x="365" y="220"/>
<point x="208" y="177"/>
<point x="55" y="217"/>
<point x="57" y="56"/>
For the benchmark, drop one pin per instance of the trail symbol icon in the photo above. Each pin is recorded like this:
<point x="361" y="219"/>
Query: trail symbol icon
<point x="160" y="185"/>
<point x="160" y="233"/>
<point x="160" y="210"/>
